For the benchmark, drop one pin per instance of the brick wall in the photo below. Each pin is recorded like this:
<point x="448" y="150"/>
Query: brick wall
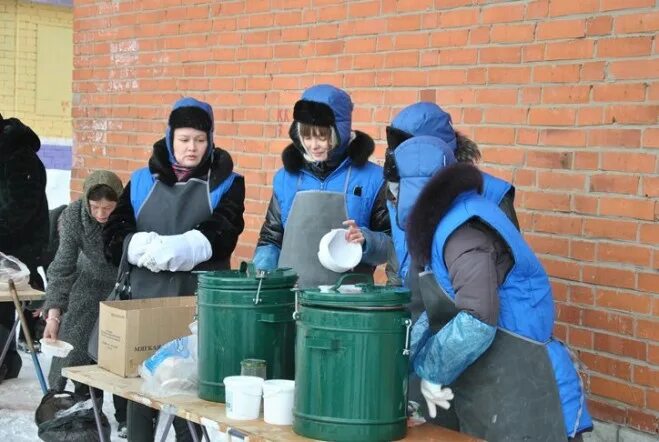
<point x="561" y="96"/>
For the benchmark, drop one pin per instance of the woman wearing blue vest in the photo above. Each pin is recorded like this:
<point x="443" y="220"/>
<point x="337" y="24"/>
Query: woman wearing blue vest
<point x="487" y="327"/>
<point x="183" y="212"/>
<point x="425" y="118"/>
<point x="327" y="182"/>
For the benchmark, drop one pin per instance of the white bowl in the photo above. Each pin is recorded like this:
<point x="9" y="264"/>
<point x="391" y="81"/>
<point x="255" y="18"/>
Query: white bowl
<point x="335" y="253"/>
<point x="55" y="347"/>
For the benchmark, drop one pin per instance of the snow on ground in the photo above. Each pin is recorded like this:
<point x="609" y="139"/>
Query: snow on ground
<point x="20" y="397"/>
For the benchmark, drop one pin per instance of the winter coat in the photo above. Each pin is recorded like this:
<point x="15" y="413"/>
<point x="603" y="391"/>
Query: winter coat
<point x="23" y="203"/>
<point x="79" y="276"/>
<point x="222" y="228"/>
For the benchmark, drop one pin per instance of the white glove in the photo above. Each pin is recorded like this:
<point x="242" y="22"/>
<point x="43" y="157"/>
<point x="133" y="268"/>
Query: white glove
<point x="177" y="253"/>
<point x="436" y="396"/>
<point x="139" y="242"/>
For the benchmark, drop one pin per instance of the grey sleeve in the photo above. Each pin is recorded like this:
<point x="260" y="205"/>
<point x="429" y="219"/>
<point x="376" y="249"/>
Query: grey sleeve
<point x="62" y="272"/>
<point x="507" y="206"/>
<point x="478" y="261"/>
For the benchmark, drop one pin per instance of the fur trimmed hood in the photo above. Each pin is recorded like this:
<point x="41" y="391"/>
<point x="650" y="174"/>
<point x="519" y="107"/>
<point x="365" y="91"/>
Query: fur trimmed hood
<point x="433" y="203"/>
<point x="359" y="151"/>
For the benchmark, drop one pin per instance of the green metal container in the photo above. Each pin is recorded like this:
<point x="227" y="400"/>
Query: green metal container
<point x="244" y="314"/>
<point x="352" y="364"/>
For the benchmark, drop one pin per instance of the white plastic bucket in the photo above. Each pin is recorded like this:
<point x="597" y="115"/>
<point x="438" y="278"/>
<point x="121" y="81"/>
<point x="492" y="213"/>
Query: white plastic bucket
<point x="278" y="401"/>
<point x="335" y="253"/>
<point x="243" y="397"/>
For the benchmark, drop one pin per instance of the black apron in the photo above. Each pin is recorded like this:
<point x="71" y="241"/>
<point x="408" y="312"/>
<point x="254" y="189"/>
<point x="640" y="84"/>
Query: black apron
<point x="510" y="392"/>
<point x="171" y="210"/>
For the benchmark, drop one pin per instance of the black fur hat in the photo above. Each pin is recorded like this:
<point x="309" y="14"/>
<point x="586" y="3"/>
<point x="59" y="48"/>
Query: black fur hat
<point x="190" y="116"/>
<point x="313" y="113"/>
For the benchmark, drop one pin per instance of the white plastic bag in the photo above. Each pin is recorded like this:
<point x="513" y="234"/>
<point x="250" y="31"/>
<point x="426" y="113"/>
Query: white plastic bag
<point x="172" y="369"/>
<point x="12" y="268"/>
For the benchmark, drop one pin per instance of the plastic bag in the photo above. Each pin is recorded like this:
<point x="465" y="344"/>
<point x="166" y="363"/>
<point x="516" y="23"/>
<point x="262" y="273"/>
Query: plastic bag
<point x="12" y="268"/>
<point x="172" y="369"/>
<point x="66" y="417"/>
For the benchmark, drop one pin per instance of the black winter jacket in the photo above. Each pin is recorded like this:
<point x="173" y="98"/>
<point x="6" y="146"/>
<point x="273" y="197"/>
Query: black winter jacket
<point x="23" y="202"/>
<point x="222" y="228"/>
<point x="359" y="150"/>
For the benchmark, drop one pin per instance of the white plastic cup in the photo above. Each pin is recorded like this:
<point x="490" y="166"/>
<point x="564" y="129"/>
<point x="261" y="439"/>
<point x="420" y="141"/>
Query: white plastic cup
<point x="55" y="347"/>
<point x="278" y="401"/>
<point x="243" y="397"/>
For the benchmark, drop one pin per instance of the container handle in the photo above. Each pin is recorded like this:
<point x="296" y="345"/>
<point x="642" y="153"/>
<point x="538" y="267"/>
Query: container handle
<point x="323" y="344"/>
<point x="274" y="318"/>
<point x="296" y="312"/>
<point x="366" y="279"/>
<point x="408" y="325"/>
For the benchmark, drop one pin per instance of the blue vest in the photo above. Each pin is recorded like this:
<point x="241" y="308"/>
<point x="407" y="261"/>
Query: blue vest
<point x="142" y="181"/>
<point x="494" y="189"/>
<point x="526" y="306"/>
<point x="360" y="185"/>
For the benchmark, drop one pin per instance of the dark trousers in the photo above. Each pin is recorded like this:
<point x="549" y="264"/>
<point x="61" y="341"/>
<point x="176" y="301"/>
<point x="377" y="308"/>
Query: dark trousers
<point x="142" y="422"/>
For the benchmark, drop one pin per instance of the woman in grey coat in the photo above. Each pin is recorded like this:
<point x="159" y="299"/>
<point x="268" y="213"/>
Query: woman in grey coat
<point x="79" y="276"/>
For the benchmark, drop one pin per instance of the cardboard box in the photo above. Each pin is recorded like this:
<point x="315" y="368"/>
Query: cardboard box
<point x="131" y="331"/>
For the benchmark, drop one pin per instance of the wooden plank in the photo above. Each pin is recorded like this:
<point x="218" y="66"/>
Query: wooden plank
<point x="201" y="411"/>
<point x="23" y="295"/>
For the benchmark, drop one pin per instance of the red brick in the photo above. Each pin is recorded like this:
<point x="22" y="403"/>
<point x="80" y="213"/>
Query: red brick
<point x="651" y="186"/>
<point x="646" y="376"/>
<point x="549" y="245"/>
<point x="548" y="159"/>
<point x="617" y="390"/>
<point x="500" y="54"/>
<point x="508" y="75"/>
<point x="619" y="92"/>
<point x="527" y="136"/>
<point x="479" y="35"/>
<point x="552" y="116"/>
<point x="562" y="269"/>
<point x="648" y="282"/>
<point x="569" y="50"/>
<point x="606" y="365"/>
<point x="512" y="33"/>
<point x="635" y="23"/>
<point x="449" y="38"/>
<point x="502" y="14"/>
<point x="623" y="301"/>
<point x="593" y="71"/>
<point x="459" y="17"/>
<point x="614" y="137"/>
<point x="567" y="225"/>
<point x="565" y="94"/>
<point x="582" y="250"/>
<point x="496" y="96"/>
<point x="580" y="338"/>
<point x="625" y="47"/>
<point x="610" y="229"/>
<point x="582" y="295"/>
<point x="606" y="411"/>
<point x="632" y="114"/>
<point x="651" y="137"/>
<point x="629" y="162"/>
<point x="647" y="329"/>
<point x="506" y="115"/>
<point x="458" y="56"/>
<point x="558" y="181"/>
<point x="628" y="208"/>
<point x="620" y="346"/>
<point x="610" y="5"/>
<point x="612" y="277"/>
<point x="608" y="183"/>
<point x="633" y="69"/>
<point x="537" y="9"/>
<point x="533" y="52"/>
<point x="560" y="29"/>
<point x="567" y="7"/>
<point x="495" y="135"/>
<point x="556" y="74"/>
<point x="599" y="25"/>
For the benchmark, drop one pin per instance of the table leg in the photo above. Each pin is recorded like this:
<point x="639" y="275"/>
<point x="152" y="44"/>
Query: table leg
<point x="11" y="336"/>
<point x="168" y="425"/>
<point x="97" y="415"/>
<point x="204" y="432"/>
<point x="193" y="432"/>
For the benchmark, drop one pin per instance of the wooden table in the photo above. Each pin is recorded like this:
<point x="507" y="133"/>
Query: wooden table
<point x="23" y="295"/>
<point x="211" y="413"/>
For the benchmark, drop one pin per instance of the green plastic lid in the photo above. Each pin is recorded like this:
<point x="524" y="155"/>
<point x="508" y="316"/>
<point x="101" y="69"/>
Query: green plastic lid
<point x="361" y="295"/>
<point x="247" y="278"/>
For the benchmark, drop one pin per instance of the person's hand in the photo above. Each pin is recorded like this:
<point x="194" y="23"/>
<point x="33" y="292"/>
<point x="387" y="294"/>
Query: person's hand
<point x="52" y="324"/>
<point x="36" y="313"/>
<point x="139" y="243"/>
<point x="354" y="235"/>
<point x="436" y="396"/>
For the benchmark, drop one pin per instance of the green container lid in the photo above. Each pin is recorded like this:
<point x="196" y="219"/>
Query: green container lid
<point x="361" y="295"/>
<point x="248" y="278"/>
